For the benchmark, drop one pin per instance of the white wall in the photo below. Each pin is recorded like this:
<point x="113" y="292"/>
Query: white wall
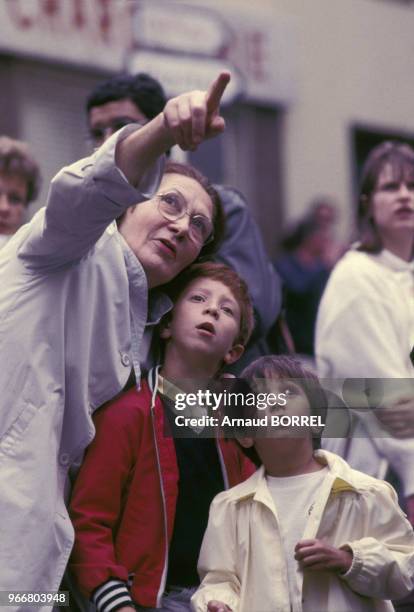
<point x="355" y="64"/>
<point x="49" y="113"/>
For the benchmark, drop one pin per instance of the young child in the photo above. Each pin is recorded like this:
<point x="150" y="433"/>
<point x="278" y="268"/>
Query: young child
<point x="305" y="532"/>
<point x="141" y="500"/>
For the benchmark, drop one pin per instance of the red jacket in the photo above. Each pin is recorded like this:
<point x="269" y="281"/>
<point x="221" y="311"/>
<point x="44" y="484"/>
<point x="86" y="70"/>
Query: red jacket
<point x="124" y="499"/>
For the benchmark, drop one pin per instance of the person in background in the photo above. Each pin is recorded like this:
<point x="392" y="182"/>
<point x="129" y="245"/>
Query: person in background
<point x="324" y="211"/>
<point x="304" y="273"/>
<point x="365" y="325"/>
<point x="125" y="99"/>
<point x="121" y="100"/>
<point x="19" y="185"/>
<point x="137" y="542"/>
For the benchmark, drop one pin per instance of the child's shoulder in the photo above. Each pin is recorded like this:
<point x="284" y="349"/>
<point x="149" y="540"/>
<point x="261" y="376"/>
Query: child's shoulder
<point x="361" y="482"/>
<point x="378" y="499"/>
<point x="125" y="408"/>
<point x="370" y="484"/>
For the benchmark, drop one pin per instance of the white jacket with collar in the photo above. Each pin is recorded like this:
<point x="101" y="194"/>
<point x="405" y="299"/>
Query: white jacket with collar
<point x="65" y="342"/>
<point x="365" y="329"/>
<point x="242" y="560"/>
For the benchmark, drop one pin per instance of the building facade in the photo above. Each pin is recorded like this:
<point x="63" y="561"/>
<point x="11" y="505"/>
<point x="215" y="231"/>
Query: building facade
<point x="315" y="84"/>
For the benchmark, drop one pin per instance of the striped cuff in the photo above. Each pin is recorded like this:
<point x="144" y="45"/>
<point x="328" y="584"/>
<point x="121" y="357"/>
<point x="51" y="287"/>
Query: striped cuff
<point x="111" y="596"/>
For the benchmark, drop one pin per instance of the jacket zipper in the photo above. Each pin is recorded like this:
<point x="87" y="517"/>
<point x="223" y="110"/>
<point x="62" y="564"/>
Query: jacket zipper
<point x="154" y="372"/>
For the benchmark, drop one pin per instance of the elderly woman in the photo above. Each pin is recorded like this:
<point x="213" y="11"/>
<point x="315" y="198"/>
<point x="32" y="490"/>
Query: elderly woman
<point x="365" y="324"/>
<point x="78" y="292"/>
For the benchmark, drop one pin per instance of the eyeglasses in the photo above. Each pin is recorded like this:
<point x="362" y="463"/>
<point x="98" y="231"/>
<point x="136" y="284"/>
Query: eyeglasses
<point x="172" y="205"/>
<point x="100" y="133"/>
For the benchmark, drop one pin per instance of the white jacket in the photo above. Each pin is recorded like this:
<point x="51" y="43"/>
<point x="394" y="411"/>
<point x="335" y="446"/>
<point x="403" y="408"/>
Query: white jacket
<point x="65" y="348"/>
<point x="242" y="560"/>
<point x="365" y="329"/>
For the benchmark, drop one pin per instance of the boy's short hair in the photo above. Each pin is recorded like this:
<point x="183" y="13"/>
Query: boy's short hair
<point x="229" y="278"/>
<point x="219" y="222"/>
<point x="17" y="160"/>
<point x="142" y="89"/>
<point x="289" y="367"/>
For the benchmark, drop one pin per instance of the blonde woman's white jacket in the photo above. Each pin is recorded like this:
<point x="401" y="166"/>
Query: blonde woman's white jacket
<point x="365" y="330"/>
<point x="242" y="561"/>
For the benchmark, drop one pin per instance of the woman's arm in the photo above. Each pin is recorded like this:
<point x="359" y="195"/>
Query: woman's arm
<point x="187" y="120"/>
<point x="87" y="196"/>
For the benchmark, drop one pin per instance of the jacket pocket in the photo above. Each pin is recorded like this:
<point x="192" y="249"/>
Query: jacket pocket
<point x="17" y="429"/>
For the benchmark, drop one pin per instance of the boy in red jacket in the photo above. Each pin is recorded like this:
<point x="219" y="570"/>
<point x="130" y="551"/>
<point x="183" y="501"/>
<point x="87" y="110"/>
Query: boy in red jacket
<point x="140" y="503"/>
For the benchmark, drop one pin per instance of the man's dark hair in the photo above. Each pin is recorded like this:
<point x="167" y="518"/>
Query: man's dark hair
<point x="142" y="89"/>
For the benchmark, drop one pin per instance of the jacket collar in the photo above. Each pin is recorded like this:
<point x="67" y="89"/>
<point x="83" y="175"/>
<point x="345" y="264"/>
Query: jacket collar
<point x="385" y="258"/>
<point x="394" y="262"/>
<point x="342" y="476"/>
<point x="159" y="384"/>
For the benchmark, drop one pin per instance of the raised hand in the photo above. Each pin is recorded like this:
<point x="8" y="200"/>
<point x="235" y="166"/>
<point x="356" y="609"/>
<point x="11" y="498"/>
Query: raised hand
<point x="317" y="555"/>
<point x="195" y="116"/>
<point x="187" y="120"/>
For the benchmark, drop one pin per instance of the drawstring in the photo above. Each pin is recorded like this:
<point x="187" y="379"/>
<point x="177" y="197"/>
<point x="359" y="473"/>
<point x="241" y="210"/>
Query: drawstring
<point x="153" y="376"/>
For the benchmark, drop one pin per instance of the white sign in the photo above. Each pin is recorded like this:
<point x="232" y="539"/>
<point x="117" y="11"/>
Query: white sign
<point x="172" y="27"/>
<point x="260" y="44"/>
<point x="180" y="73"/>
